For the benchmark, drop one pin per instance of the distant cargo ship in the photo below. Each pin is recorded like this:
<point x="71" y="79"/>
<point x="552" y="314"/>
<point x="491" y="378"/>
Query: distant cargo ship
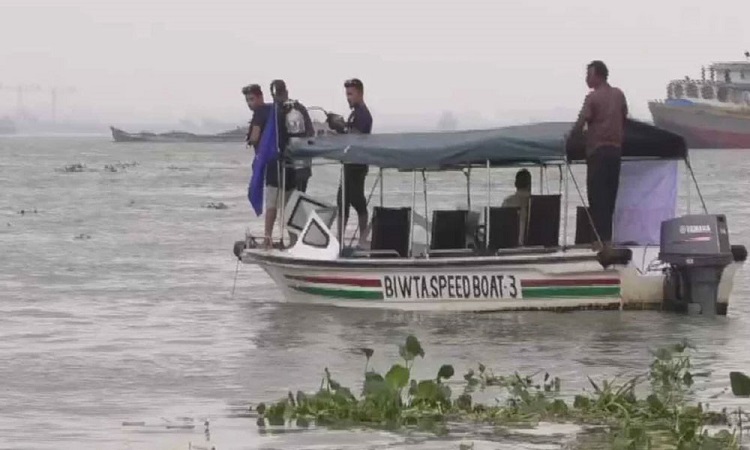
<point x="237" y="135"/>
<point x="712" y="112"/>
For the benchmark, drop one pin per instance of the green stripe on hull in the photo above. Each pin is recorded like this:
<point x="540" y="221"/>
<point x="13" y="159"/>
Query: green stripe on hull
<point x="341" y="293"/>
<point x="571" y="292"/>
<point x="528" y="292"/>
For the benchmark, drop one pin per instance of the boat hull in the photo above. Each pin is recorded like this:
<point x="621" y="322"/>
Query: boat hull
<point x="703" y="127"/>
<point x="490" y="288"/>
<point x="555" y="282"/>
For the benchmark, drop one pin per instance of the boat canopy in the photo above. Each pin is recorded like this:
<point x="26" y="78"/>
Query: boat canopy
<point x="538" y="144"/>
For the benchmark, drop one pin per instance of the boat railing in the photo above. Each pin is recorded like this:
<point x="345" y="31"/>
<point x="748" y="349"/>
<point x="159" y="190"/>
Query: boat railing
<point x="453" y="252"/>
<point x="362" y="253"/>
<point x="457" y="252"/>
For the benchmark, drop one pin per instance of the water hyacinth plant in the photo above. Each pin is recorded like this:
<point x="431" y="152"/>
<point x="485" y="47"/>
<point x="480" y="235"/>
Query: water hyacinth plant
<point x="664" y="418"/>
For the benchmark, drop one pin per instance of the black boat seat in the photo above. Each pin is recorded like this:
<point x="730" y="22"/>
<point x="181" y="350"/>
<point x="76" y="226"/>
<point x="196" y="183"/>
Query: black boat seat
<point x="505" y="227"/>
<point x="448" y="230"/>
<point x="543" y="225"/>
<point x="453" y="229"/>
<point x="391" y="230"/>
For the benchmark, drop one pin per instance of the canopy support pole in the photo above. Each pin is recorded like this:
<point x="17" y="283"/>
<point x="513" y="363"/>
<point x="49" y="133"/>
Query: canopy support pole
<point x="687" y="188"/>
<point x="342" y="208"/>
<point x="467" y="173"/>
<point x="411" y="213"/>
<point x="381" y="186"/>
<point x="487" y="214"/>
<point x="541" y="179"/>
<point x="697" y="188"/>
<point x="564" y="182"/>
<point x="280" y="212"/>
<point x="427" y="231"/>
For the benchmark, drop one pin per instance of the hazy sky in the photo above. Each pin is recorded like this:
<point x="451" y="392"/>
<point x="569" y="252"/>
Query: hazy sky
<point x="500" y="60"/>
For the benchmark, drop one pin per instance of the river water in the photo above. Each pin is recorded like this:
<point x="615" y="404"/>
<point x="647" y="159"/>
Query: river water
<point x="116" y="307"/>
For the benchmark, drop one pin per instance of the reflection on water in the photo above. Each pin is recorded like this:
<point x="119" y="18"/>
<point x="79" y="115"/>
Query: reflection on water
<point x="136" y="323"/>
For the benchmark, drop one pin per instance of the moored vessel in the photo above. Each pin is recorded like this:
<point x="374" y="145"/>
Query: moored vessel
<point x="237" y="135"/>
<point x="712" y="111"/>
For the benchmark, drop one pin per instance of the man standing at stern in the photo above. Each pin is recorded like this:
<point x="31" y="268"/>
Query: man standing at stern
<point x="360" y="121"/>
<point x="604" y="112"/>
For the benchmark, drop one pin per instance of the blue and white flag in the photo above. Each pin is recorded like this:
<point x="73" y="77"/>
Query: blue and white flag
<point x="267" y="154"/>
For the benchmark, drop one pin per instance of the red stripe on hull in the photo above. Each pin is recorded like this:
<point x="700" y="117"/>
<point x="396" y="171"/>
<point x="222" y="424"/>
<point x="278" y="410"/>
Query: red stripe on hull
<point x="703" y="128"/>
<point x="360" y="282"/>
<point x="699" y="138"/>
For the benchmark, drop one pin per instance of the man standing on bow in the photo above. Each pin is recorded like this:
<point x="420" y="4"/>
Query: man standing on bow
<point x="293" y="114"/>
<point x="360" y="121"/>
<point x="254" y="98"/>
<point x="604" y="113"/>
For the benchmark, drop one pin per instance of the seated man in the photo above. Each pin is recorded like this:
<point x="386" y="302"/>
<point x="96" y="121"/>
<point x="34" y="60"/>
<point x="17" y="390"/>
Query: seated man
<point x="521" y="200"/>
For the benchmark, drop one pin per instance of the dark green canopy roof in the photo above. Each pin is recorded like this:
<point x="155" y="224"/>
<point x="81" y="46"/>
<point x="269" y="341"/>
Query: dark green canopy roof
<point x="541" y="143"/>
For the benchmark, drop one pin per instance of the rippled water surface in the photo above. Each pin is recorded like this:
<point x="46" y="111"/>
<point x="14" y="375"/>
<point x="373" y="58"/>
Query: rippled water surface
<point x="116" y="306"/>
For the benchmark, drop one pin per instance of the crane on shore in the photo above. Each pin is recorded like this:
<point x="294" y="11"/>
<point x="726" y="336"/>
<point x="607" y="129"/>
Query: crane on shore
<point x="22" y="90"/>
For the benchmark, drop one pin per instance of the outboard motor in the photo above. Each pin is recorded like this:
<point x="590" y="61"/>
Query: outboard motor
<point x="697" y="249"/>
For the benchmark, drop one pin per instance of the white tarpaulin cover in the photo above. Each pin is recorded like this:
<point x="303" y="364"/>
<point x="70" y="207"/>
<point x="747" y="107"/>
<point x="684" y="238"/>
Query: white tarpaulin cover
<point x="647" y="196"/>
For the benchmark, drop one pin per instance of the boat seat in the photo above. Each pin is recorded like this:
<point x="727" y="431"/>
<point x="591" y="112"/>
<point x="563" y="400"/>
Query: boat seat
<point x="543" y="225"/>
<point x="584" y="230"/>
<point x="391" y="230"/>
<point x="505" y="227"/>
<point x="448" y="230"/>
<point x="453" y="229"/>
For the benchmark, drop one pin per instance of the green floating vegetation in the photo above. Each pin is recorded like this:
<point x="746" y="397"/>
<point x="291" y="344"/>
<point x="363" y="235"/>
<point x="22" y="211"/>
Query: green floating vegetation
<point x="662" y="419"/>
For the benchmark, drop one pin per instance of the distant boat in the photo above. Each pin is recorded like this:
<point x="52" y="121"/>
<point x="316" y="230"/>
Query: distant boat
<point x="7" y="126"/>
<point x="239" y="134"/>
<point x="710" y="112"/>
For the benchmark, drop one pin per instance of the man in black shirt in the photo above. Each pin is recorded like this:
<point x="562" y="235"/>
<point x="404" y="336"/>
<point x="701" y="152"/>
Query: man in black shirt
<point x="360" y="121"/>
<point x="254" y="98"/>
<point x="261" y="112"/>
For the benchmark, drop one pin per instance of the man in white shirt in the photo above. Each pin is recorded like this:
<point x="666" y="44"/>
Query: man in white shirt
<point x="521" y="200"/>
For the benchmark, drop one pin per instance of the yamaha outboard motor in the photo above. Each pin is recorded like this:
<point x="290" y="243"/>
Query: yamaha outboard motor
<point x="697" y="249"/>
